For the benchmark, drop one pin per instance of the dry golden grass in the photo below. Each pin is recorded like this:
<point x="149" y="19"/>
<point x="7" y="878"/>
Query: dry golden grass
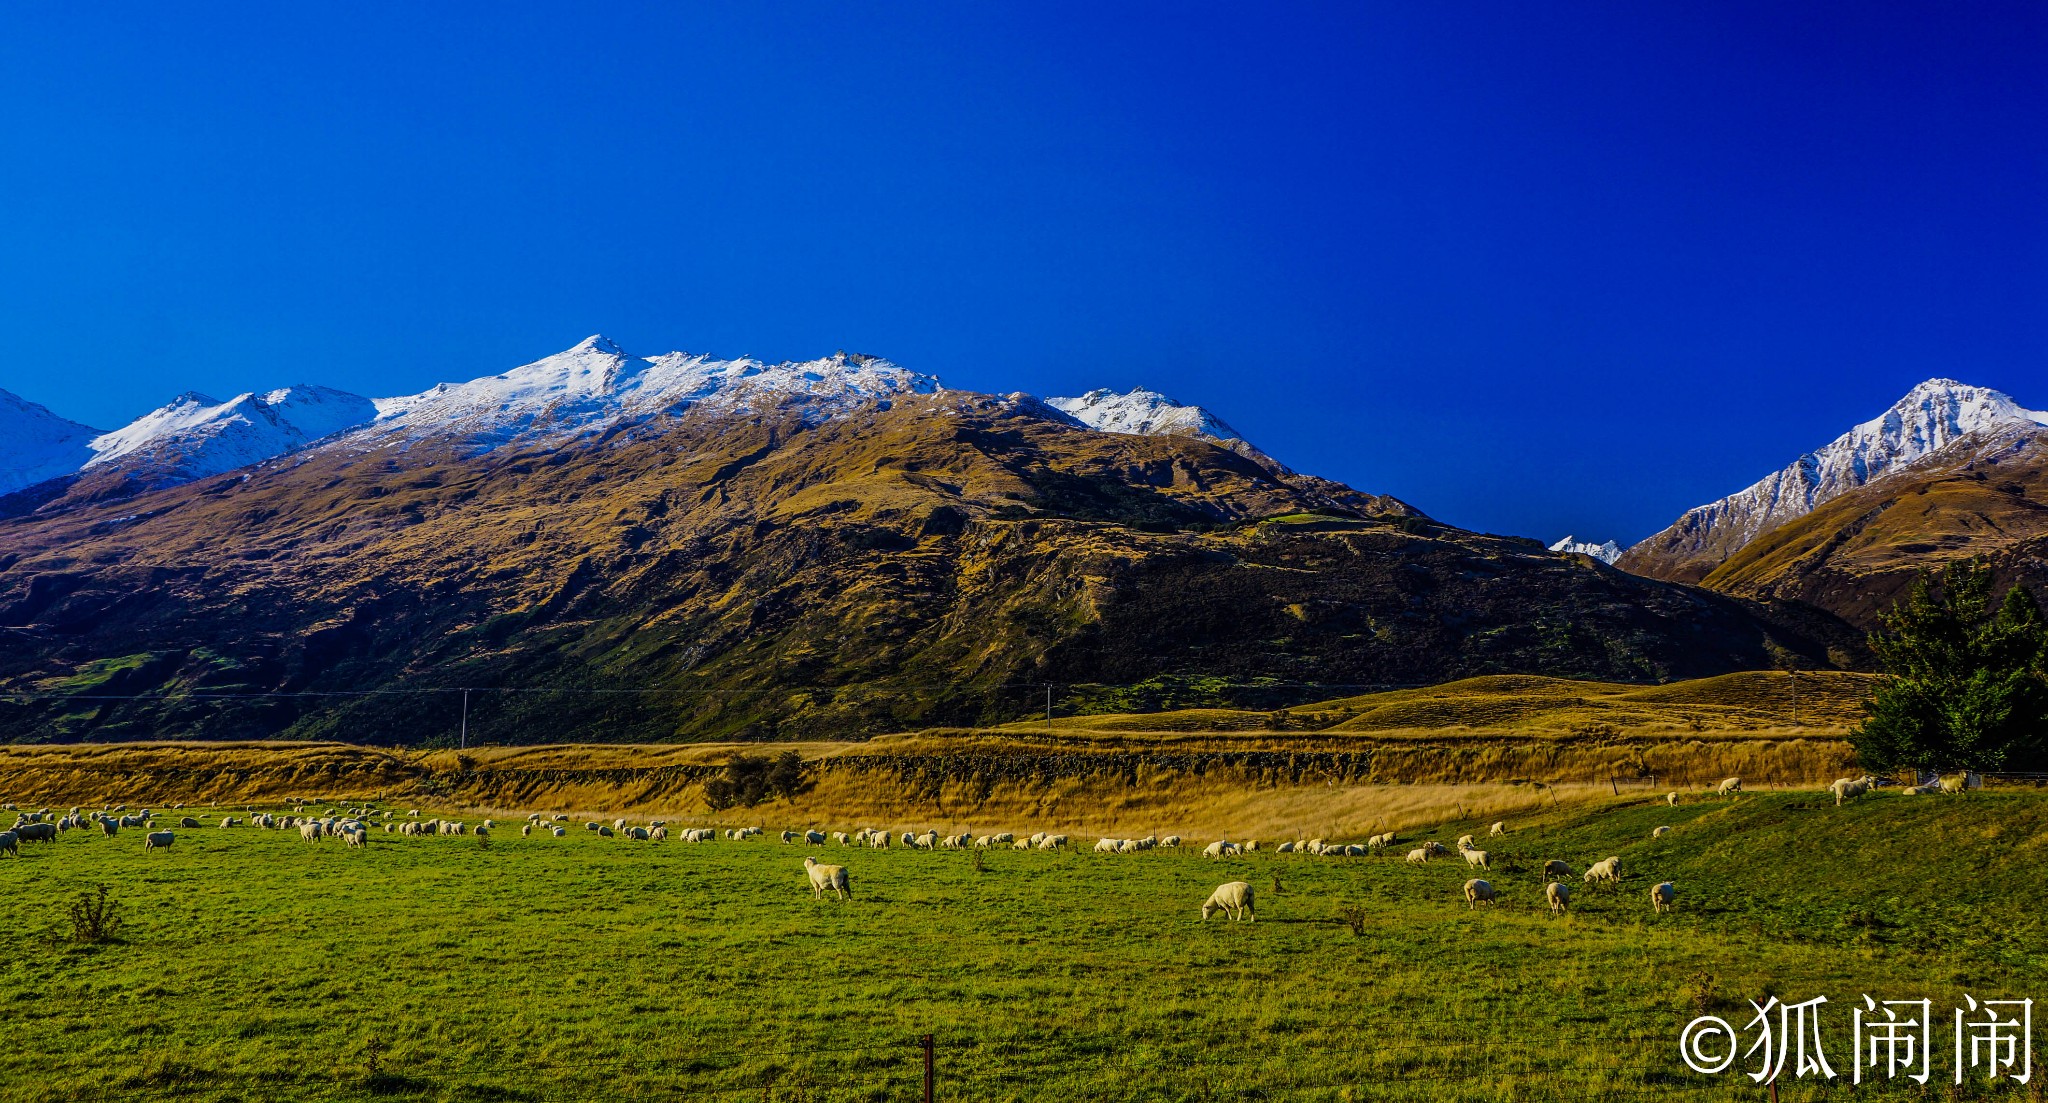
<point x="1481" y="748"/>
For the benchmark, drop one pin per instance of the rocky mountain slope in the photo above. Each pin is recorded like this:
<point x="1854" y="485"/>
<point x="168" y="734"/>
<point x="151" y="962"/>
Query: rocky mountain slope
<point x="1933" y="416"/>
<point x="1983" y="495"/>
<point x="826" y="549"/>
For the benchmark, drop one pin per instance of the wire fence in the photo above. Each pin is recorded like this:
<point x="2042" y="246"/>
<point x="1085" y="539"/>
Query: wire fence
<point x="1638" y="1061"/>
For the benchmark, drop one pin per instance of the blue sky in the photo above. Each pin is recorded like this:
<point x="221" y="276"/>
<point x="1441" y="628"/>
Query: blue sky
<point x="1534" y="268"/>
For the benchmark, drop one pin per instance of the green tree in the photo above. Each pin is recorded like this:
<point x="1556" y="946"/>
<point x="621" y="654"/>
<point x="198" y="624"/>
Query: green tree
<point x="1967" y="688"/>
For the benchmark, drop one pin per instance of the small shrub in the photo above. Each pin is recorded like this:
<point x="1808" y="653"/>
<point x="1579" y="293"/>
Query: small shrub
<point x="1277" y="890"/>
<point x="483" y="842"/>
<point x="750" y="779"/>
<point x="1354" y="917"/>
<point x="1699" y="991"/>
<point x="95" y="918"/>
<point x="980" y="864"/>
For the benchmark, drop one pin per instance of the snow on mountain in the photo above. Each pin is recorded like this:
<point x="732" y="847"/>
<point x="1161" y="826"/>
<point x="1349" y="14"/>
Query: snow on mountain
<point x="196" y="436"/>
<point x="596" y="385"/>
<point x="1605" y="553"/>
<point x="1145" y="412"/>
<point x="37" y="445"/>
<point x="1932" y="416"/>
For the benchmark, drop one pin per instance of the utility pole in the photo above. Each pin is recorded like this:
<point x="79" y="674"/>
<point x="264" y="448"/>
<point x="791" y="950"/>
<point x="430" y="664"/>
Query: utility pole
<point x="465" y="720"/>
<point x="926" y="1041"/>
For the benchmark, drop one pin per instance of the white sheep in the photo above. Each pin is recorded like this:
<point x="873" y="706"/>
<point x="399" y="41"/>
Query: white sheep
<point x="1221" y="848"/>
<point x="10" y="844"/>
<point x="1671" y="799"/>
<point x="1284" y="848"/>
<point x="1436" y="848"/>
<point x="1170" y="841"/>
<point x="560" y="832"/>
<point x="1052" y="842"/>
<point x="526" y="831"/>
<point x="1661" y="832"/>
<point x="1729" y="785"/>
<point x="839" y="837"/>
<point x="1607" y="869"/>
<point x="637" y="834"/>
<point x="310" y="831"/>
<point x="602" y="831"/>
<point x="789" y="836"/>
<point x="1849" y="788"/>
<point x="157" y="840"/>
<point x="658" y="834"/>
<point x="1476" y="859"/>
<point x="1559" y="895"/>
<point x="814" y="838"/>
<point x="1105" y="846"/>
<point x="828" y="877"/>
<point x="1419" y="854"/>
<point x="1478" y="892"/>
<point x="1498" y="829"/>
<point x="1662" y="895"/>
<point x="1464" y="842"/>
<point x="1233" y="898"/>
<point x="1555" y="868"/>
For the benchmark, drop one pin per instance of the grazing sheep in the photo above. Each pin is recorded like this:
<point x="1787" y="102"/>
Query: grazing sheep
<point x="1052" y="842"/>
<point x="1284" y="848"/>
<point x="637" y="834"/>
<point x="1849" y="788"/>
<point x="558" y="817"/>
<point x="1436" y="848"/>
<point x="310" y="831"/>
<point x="1671" y="799"/>
<point x="1607" y="869"/>
<point x="1315" y="846"/>
<point x="1221" y="848"/>
<point x="605" y="832"/>
<point x="1464" y="842"/>
<point x="1559" y="895"/>
<point x="1005" y="837"/>
<point x="1954" y="784"/>
<point x="1498" y="829"/>
<point x="1105" y="846"/>
<point x="1478" y="892"/>
<point x="1356" y="850"/>
<point x="1419" y="854"/>
<point x="356" y="839"/>
<point x="188" y="822"/>
<point x="156" y="840"/>
<point x="658" y="834"/>
<point x="37" y="832"/>
<point x="1661" y="897"/>
<point x="526" y="831"/>
<point x="1234" y="898"/>
<point x="1555" y="868"/>
<point x="828" y="877"/>
<point x="1170" y="841"/>
<point x="1921" y="790"/>
<point x="1661" y="832"/>
<point x="10" y="844"/>
<point x="1729" y="785"/>
<point x="814" y="838"/>
<point x="109" y="827"/>
<point x="560" y="832"/>
<point x="1476" y="859"/>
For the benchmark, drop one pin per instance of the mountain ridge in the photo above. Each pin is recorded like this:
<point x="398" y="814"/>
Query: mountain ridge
<point x="1932" y="416"/>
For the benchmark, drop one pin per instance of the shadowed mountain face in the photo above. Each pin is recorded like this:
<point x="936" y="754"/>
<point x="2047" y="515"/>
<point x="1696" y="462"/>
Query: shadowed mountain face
<point x="1986" y="495"/>
<point x="923" y="559"/>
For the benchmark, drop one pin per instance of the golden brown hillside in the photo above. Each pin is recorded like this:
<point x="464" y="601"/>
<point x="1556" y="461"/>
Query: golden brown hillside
<point x="1855" y="555"/>
<point x="934" y="560"/>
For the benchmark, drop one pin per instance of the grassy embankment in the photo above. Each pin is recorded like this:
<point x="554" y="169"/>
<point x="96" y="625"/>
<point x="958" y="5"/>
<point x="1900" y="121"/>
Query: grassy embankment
<point x="1485" y="747"/>
<point x="254" y="965"/>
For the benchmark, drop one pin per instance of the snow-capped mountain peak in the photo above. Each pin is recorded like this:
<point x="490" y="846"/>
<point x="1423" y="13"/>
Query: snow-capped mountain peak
<point x="595" y="385"/>
<point x="194" y="436"/>
<point x="1606" y="552"/>
<point x="37" y="445"/>
<point x="1931" y="416"/>
<point x="1145" y="412"/>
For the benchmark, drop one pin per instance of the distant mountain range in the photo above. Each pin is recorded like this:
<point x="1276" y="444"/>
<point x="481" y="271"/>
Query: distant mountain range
<point x="682" y="546"/>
